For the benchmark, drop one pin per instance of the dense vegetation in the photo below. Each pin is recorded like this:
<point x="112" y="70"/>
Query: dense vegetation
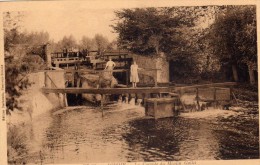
<point x="20" y="49"/>
<point x="224" y="49"/>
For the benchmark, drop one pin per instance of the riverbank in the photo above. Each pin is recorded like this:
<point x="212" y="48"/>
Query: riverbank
<point x="33" y="103"/>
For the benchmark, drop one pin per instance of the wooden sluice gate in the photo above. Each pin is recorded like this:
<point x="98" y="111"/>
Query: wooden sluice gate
<point x="161" y="107"/>
<point x="200" y="97"/>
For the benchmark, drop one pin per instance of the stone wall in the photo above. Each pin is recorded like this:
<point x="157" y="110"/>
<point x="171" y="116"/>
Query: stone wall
<point x="56" y="79"/>
<point x="150" y="64"/>
<point x="33" y="102"/>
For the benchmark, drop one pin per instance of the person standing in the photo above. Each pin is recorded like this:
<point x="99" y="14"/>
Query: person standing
<point x="134" y="74"/>
<point x="110" y="65"/>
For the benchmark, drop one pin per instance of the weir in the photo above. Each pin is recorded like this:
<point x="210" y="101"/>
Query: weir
<point x="159" y="101"/>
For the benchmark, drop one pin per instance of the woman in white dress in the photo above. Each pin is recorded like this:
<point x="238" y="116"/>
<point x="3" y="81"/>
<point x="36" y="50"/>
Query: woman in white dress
<point x="134" y="74"/>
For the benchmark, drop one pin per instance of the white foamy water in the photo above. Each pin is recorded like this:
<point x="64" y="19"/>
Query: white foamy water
<point x="210" y="113"/>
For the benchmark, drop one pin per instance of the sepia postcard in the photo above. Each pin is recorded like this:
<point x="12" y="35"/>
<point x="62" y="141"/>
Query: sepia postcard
<point x="129" y="82"/>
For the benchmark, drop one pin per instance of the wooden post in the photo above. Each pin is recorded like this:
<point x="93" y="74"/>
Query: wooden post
<point x="127" y="77"/>
<point x="65" y="100"/>
<point x="231" y="91"/>
<point x="77" y="66"/>
<point x="146" y="96"/>
<point x="99" y="80"/>
<point x="102" y="104"/>
<point x="45" y="79"/>
<point x="155" y="80"/>
<point x="143" y="98"/>
<point x="181" y="91"/>
<point x="73" y="79"/>
<point x="125" y="61"/>
<point x="215" y="97"/>
<point x="197" y="99"/>
<point x="155" y="108"/>
<point x="180" y="94"/>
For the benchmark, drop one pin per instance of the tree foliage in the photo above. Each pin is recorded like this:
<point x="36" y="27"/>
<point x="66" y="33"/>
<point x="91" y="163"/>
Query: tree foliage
<point x="232" y="37"/>
<point x="68" y="42"/>
<point x="88" y="43"/>
<point x="234" y="34"/>
<point x="98" y="42"/>
<point x="101" y="42"/>
<point x="154" y="30"/>
<point x="21" y="49"/>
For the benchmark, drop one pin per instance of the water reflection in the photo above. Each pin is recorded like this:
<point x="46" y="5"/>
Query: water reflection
<point x="240" y="139"/>
<point x="125" y="134"/>
<point x="171" y="139"/>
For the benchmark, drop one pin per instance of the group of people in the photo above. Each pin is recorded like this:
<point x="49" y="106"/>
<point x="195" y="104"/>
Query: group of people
<point x="134" y="79"/>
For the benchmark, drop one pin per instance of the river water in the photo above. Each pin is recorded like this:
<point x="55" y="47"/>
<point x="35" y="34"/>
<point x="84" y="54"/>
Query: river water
<point x="123" y="134"/>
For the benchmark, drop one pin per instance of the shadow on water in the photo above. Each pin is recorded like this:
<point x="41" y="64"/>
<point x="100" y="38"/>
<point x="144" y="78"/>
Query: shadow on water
<point x="239" y="138"/>
<point x="189" y="139"/>
<point x="171" y="139"/>
<point x="153" y="140"/>
<point x="124" y="134"/>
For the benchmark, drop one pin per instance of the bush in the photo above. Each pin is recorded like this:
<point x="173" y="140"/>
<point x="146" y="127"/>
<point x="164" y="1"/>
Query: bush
<point x="16" y="143"/>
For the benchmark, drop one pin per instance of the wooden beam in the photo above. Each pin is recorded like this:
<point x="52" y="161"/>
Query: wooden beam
<point x="85" y="70"/>
<point x="106" y="90"/>
<point x="206" y="85"/>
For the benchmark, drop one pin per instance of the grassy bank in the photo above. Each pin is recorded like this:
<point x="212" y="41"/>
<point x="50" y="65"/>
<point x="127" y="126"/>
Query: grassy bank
<point x="16" y="144"/>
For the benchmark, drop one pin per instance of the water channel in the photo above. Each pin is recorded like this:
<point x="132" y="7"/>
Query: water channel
<point x="123" y="134"/>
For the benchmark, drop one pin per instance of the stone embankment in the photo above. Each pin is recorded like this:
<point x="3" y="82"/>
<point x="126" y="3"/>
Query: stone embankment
<point x="33" y="102"/>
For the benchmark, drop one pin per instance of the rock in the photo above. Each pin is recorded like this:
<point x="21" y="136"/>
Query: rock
<point x="104" y="80"/>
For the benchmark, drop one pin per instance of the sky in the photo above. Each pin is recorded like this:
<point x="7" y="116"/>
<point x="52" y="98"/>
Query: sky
<point x="78" y="23"/>
<point x="62" y="23"/>
<point x="83" y="17"/>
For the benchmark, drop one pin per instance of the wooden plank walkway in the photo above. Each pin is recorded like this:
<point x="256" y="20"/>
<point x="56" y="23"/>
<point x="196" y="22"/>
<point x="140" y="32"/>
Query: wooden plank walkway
<point x="108" y="90"/>
<point x="138" y="90"/>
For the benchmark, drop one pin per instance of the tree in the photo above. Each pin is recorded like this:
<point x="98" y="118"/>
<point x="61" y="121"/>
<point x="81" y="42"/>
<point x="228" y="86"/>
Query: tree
<point x="101" y="42"/>
<point x="155" y="30"/>
<point x="112" y="45"/>
<point x="68" y="42"/>
<point x="18" y="62"/>
<point x="88" y="43"/>
<point x="233" y="38"/>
